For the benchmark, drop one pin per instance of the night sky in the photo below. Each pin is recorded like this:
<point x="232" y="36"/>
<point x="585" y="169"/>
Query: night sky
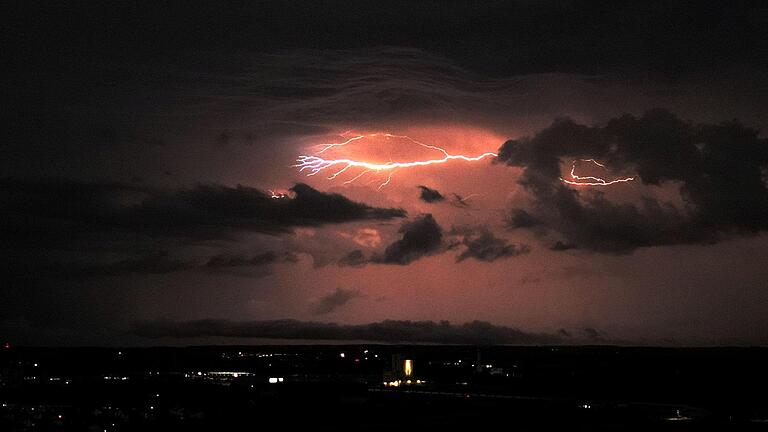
<point x="149" y="194"/>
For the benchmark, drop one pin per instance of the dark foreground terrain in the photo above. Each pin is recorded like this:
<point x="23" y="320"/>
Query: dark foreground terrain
<point x="368" y="387"/>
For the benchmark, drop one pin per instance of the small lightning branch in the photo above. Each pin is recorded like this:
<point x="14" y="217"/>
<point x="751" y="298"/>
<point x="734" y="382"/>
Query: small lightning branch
<point x="578" y="180"/>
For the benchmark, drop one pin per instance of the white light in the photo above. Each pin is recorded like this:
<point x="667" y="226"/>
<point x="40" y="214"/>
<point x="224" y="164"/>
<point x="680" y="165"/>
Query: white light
<point x="273" y="380"/>
<point x="342" y="355"/>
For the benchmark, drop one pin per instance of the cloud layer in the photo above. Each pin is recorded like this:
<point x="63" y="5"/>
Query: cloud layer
<point x="476" y="332"/>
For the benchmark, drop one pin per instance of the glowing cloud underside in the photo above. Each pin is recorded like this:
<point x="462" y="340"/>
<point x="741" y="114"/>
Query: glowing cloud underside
<point x="316" y="164"/>
<point x="589" y="180"/>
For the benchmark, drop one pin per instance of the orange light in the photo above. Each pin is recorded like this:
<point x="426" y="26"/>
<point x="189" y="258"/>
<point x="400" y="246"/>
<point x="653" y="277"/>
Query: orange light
<point x="316" y="164"/>
<point x="408" y="367"/>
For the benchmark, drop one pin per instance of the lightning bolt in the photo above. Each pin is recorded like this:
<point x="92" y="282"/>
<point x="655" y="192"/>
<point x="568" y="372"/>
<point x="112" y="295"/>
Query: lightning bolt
<point x="315" y="164"/>
<point x="589" y="180"/>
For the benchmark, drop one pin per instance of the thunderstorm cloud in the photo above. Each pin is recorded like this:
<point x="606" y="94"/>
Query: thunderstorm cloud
<point x="719" y="169"/>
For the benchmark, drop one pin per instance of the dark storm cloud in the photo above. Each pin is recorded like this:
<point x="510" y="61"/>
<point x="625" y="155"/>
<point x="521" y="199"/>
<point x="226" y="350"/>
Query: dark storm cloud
<point x="420" y="237"/>
<point x="77" y="230"/>
<point x="720" y="169"/>
<point x="430" y="195"/>
<point x="515" y="60"/>
<point x="224" y="261"/>
<point x="158" y="262"/>
<point x="481" y="244"/>
<point x="200" y="93"/>
<point x="243" y="208"/>
<point x="47" y="211"/>
<point x="44" y="268"/>
<point x="476" y="332"/>
<point x="492" y="36"/>
<point x="335" y="300"/>
<point x="263" y="95"/>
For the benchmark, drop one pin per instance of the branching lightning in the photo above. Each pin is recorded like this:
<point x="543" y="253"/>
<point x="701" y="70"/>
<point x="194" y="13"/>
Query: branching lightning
<point x="316" y="164"/>
<point x="589" y="180"/>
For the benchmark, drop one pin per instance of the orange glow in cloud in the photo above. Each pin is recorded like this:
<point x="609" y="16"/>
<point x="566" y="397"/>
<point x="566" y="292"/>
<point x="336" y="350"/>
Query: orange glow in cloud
<point x="366" y="237"/>
<point x="277" y="194"/>
<point x="434" y="155"/>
